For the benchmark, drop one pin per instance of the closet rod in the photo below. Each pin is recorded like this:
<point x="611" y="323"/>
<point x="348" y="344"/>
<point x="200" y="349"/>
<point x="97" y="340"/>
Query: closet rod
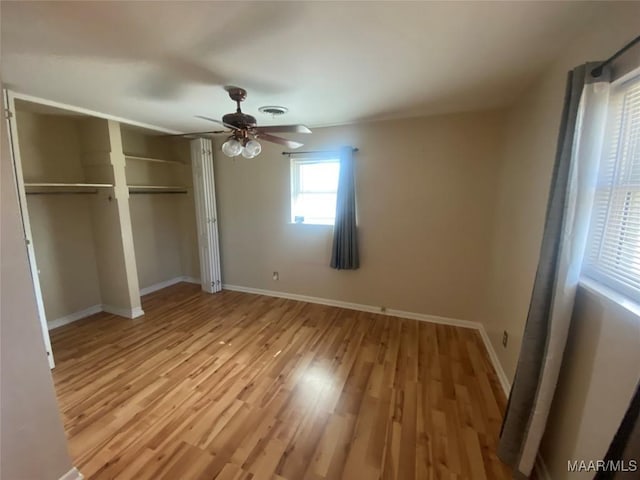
<point x="165" y="192"/>
<point x="93" y="192"/>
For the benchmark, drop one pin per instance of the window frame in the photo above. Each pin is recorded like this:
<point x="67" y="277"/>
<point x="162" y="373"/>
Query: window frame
<point x="294" y="174"/>
<point x="611" y="287"/>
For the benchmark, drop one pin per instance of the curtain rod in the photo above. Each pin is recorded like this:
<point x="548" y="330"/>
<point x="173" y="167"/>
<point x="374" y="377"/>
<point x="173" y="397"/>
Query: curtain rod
<point x="596" y="72"/>
<point x="316" y="151"/>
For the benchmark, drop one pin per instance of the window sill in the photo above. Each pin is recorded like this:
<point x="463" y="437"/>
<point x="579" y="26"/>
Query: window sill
<point x="610" y="296"/>
<point x="313" y="224"/>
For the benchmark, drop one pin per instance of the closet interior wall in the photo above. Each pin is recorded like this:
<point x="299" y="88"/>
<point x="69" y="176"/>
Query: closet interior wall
<point x="158" y="171"/>
<point x="61" y="224"/>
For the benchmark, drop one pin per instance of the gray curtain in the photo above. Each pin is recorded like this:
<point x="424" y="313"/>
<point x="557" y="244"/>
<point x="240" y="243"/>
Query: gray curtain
<point x="556" y="278"/>
<point x="625" y="446"/>
<point x="344" y="255"/>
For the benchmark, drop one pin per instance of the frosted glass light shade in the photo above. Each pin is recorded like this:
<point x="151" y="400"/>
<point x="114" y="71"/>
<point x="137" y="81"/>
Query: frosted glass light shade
<point x="232" y="148"/>
<point x="247" y="153"/>
<point x="252" y="148"/>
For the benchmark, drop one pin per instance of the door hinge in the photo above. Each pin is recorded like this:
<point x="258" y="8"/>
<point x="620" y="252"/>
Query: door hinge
<point x="8" y="113"/>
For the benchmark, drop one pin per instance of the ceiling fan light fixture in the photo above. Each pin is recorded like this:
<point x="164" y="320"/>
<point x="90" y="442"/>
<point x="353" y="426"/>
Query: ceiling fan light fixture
<point x="232" y="147"/>
<point x="253" y="148"/>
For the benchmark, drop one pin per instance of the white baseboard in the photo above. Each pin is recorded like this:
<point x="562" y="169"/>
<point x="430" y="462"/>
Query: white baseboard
<point x="167" y="283"/>
<point x="123" y="312"/>
<point x="354" y="306"/>
<point x="159" y="286"/>
<point x="497" y="366"/>
<point x="74" y="317"/>
<point x="73" y="474"/>
<point x="190" y="279"/>
<point x="431" y="318"/>
<point x="302" y="298"/>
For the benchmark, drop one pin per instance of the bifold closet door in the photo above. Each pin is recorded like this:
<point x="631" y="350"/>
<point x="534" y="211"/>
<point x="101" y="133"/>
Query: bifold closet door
<point x="9" y="105"/>
<point x="204" y="192"/>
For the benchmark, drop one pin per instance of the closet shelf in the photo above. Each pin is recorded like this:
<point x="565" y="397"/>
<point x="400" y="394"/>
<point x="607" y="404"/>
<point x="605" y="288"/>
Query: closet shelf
<point x="157" y="189"/>
<point x="150" y="159"/>
<point x="52" y="187"/>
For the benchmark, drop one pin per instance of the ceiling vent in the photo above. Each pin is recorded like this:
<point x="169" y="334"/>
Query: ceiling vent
<point x="273" y="110"/>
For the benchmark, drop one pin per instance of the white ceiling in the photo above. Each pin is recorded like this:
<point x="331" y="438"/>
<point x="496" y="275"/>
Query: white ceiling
<point x="328" y="62"/>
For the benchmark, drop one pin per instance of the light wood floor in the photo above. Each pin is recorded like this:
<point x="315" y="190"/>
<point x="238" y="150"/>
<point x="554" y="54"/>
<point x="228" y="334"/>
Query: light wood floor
<point x="239" y="386"/>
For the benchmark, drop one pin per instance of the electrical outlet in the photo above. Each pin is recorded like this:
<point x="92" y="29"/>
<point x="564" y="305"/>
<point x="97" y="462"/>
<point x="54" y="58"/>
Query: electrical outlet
<point x="276" y="276"/>
<point x="505" y="339"/>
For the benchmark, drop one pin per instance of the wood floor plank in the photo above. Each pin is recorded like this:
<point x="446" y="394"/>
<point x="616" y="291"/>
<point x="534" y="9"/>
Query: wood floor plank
<point x="236" y="386"/>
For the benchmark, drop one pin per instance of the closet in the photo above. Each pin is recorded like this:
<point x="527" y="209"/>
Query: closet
<point x="110" y="210"/>
<point x="163" y="216"/>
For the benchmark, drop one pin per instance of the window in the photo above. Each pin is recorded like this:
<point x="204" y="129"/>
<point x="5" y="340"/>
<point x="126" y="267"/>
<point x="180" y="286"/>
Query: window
<point x="314" y="185"/>
<point x="613" y="248"/>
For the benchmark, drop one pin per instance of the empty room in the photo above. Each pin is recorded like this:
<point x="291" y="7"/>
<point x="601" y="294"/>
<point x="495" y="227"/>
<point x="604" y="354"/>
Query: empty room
<point x="320" y="240"/>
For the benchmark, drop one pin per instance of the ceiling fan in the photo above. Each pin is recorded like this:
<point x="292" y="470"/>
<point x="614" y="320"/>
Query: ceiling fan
<point x="245" y="131"/>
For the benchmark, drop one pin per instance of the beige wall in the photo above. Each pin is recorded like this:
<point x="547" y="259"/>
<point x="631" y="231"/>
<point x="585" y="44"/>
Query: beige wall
<point x="425" y="192"/>
<point x="33" y="441"/>
<point x="156" y="236"/>
<point x="60" y="224"/>
<point x="189" y="253"/>
<point x="165" y="237"/>
<point x="588" y="413"/>
<point x="601" y="369"/>
<point x="65" y="253"/>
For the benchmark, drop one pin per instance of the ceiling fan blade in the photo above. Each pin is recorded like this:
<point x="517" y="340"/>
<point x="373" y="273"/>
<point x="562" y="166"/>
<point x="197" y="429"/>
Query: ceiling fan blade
<point x="216" y="121"/>
<point x="210" y="132"/>
<point x="284" y="129"/>
<point x="278" y="140"/>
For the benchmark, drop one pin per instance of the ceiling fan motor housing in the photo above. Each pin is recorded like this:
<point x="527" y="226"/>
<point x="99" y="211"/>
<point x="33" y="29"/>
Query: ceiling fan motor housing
<point x="240" y="120"/>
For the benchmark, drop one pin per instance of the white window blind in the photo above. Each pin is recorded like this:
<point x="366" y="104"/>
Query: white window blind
<point x="613" y="249"/>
